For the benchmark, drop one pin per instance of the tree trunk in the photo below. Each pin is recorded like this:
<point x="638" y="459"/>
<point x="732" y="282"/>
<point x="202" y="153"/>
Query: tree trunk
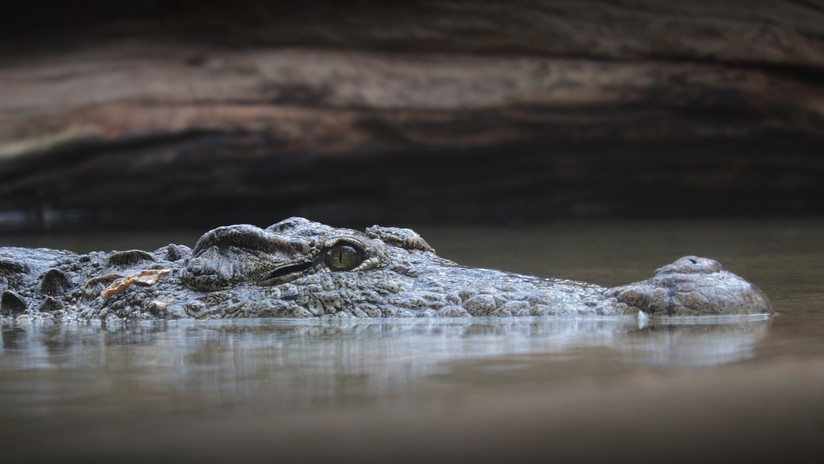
<point x="192" y="112"/>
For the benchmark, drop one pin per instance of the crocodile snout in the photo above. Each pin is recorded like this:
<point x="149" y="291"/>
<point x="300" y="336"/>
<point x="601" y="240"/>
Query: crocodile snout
<point x="693" y="286"/>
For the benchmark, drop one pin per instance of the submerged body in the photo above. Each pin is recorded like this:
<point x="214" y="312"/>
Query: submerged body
<point x="300" y="268"/>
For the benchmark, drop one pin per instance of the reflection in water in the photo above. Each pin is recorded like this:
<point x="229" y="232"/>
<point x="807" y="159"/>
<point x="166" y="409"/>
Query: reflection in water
<point x="556" y="380"/>
<point x="696" y="341"/>
<point x="186" y="366"/>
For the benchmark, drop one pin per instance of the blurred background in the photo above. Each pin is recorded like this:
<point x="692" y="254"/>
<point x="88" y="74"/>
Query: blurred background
<point x="671" y="128"/>
<point x="184" y="113"/>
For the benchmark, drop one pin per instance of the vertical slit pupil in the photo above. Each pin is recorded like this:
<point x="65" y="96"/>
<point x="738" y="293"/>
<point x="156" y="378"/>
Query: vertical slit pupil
<point x="343" y="258"/>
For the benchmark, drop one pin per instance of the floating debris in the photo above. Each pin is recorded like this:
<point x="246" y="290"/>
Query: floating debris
<point x="145" y="277"/>
<point x="95" y="285"/>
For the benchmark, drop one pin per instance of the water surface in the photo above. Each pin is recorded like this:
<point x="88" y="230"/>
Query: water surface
<point x="423" y="389"/>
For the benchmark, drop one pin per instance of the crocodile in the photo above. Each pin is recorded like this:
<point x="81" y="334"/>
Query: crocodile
<point x="301" y="268"/>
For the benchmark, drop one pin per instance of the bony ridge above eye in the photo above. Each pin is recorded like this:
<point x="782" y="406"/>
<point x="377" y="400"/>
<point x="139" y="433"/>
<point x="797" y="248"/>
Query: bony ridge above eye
<point x="343" y="256"/>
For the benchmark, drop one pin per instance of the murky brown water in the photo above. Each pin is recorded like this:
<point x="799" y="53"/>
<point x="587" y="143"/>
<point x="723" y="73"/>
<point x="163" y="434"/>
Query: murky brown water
<point x="440" y="390"/>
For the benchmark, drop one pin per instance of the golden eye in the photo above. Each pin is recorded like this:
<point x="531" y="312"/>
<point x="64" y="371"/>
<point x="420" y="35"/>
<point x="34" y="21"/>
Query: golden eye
<point x="343" y="258"/>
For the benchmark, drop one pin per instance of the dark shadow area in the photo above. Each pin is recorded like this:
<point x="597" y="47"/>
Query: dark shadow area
<point x="162" y="114"/>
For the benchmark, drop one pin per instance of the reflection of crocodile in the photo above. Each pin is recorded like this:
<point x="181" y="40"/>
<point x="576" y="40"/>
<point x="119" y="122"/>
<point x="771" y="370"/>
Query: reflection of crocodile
<point x="299" y="268"/>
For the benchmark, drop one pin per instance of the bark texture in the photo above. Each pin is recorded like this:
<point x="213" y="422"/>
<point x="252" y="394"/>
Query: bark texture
<point x="436" y="110"/>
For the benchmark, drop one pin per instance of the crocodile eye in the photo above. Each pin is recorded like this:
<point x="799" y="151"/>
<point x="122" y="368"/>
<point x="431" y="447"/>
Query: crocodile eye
<point x="343" y="258"/>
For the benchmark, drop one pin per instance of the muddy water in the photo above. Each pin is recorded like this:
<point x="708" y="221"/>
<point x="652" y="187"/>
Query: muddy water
<point x="445" y="390"/>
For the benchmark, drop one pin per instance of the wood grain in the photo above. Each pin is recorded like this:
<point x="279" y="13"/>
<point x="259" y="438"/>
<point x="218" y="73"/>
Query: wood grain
<point x="533" y="109"/>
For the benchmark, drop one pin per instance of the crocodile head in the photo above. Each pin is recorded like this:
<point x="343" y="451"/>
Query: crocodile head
<point x="300" y="268"/>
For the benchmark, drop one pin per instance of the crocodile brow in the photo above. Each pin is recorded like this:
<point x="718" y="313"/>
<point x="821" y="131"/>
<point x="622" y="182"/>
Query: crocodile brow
<point x="251" y="237"/>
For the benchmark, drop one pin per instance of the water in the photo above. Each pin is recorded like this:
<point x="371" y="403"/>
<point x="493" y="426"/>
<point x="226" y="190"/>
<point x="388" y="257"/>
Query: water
<point x="440" y="390"/>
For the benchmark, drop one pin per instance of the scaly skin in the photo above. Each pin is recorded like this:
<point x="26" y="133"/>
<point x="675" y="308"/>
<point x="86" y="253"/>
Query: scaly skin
<point x="299" y="268"/>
